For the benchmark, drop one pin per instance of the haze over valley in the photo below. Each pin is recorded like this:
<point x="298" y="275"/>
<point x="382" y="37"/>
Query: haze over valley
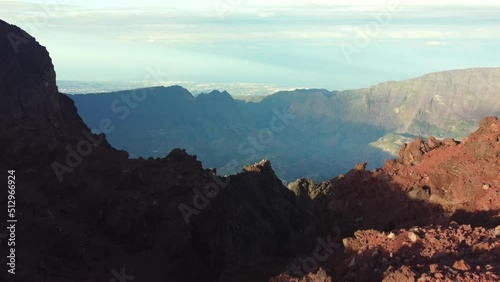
<point x="311" y="133"/>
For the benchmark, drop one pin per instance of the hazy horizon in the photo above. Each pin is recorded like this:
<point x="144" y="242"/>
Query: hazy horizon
<point x="310" y="44"/>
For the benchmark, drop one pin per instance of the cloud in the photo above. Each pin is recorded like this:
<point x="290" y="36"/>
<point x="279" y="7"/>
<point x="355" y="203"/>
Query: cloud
<point x="252" y="20"/>
<point x="296" y="35"/>
<point x="437" y="43"/>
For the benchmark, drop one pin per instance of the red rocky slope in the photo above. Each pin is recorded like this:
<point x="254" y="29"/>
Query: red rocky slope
<point x="432" y="184"/>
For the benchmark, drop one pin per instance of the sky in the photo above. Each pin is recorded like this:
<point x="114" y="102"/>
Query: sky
<point x="300" y="43"/>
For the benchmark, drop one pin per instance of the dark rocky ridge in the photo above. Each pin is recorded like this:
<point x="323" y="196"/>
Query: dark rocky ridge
<point x="28" y="77"/>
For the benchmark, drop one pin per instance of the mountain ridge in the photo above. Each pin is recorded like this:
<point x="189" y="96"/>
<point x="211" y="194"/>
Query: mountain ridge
<point x="343" y="125"/>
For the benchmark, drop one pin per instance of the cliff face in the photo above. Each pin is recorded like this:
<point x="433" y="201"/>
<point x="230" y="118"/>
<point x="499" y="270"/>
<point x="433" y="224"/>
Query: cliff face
<point x="33" y="115"/>
<point x="28" y="81"/>
<point x="452" y="102"/>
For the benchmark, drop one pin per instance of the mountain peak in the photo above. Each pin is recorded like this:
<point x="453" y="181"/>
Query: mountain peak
<point x="28" y="87"/>
<point x="217" y="95"/>
<point x="175" y="90"/>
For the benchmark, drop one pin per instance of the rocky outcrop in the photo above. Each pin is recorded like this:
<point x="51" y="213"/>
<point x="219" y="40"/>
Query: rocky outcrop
<point x="413" y="153"/>
<point x="34" y="117"/>
<point x="305" y="190"/>
<point x="432" y="183"/>
<point x="450" y="189"/>
<point x="320" y="276"/>
<point x="453" y="252"/>
<point x="28" y="80"/>
<point x="262" y="166"/>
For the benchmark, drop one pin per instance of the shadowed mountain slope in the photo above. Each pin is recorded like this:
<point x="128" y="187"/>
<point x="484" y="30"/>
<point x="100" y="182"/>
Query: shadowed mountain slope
<point x="314" y="133"/>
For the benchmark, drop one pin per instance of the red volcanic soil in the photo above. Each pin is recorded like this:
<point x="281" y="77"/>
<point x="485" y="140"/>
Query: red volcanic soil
<point x="432" y="253"/>
<point x="430" y="215"/>
<point x="466" y="176"/>
<point x="453" y="253"/>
